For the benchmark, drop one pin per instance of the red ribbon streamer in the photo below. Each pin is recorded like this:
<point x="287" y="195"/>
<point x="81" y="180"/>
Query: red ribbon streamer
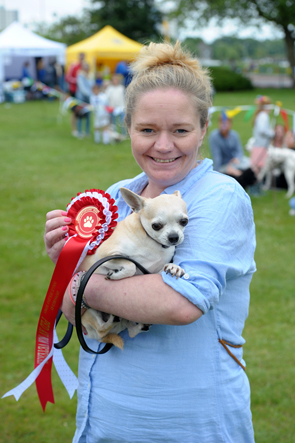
<point x="88" y="216"/>
<point x="62" y="274"/>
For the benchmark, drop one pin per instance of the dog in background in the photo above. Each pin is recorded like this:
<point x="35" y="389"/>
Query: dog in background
<point x="283" y="159"/>
<point x="149" y="235"/>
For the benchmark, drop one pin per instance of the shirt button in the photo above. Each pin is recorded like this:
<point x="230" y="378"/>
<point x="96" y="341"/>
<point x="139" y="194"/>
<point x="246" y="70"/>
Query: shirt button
<point x="186" y="276"/>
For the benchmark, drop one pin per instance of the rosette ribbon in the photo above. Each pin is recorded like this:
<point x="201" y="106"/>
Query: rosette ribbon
<point x="93" y="215"/>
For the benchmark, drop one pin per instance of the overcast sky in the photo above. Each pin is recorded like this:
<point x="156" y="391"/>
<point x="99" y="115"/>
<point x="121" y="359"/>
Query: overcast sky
<point x="50" y="10"/>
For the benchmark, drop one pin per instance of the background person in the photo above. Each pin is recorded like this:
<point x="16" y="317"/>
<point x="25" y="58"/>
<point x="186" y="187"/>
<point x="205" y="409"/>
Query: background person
<point x="84" y="89"/>
<point x="41" y="71"/>
<point x="227" y="153"/>
<point x="123" y="69"/>
<point x="99" y="102"/>
<point x="262" y="133"/>
<point x="27" y="80"/>
<point x="50" y="74"/>
<point x="176" y="383"/>
<point x="72" y="73"/>
<point x="71" y="79"/>
<point x="289" y="140"/>
<point x="279" y="136"/>
<point x="116" y="96"/>
<point x="282" y="139"/>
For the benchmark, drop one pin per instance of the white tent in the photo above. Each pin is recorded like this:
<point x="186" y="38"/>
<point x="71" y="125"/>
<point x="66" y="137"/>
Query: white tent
<point x="19" y="44"/>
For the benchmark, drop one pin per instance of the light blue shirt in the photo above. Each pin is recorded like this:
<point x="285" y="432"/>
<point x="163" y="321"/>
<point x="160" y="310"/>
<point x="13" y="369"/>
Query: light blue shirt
<point x="177" y="383"/>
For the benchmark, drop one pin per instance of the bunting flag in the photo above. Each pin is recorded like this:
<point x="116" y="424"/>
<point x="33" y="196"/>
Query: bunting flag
<point x="285" y="118"/>
<point x="250" y="113"/>
<point x="233" y="112"/>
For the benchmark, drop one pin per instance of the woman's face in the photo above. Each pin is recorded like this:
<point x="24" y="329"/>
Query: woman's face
<point x="165" y="136"/>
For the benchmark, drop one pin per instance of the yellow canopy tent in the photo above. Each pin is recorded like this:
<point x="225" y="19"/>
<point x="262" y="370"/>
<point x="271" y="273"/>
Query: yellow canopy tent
<point x="107" y="46"/>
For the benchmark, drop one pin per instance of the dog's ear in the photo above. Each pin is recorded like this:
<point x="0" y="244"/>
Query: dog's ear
<point x="133" y="200"/>
<point x="177" y="193"/>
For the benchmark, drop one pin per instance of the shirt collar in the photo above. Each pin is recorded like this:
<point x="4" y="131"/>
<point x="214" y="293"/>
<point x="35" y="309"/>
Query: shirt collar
<point x="140" y="181"/>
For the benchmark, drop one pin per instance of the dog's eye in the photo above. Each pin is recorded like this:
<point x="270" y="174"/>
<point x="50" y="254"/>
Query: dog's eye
<point x="183" y="221"/>
<point x="157" y="226"/>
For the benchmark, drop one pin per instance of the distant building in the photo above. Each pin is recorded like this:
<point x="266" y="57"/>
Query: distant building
<point x="7" y="17"/>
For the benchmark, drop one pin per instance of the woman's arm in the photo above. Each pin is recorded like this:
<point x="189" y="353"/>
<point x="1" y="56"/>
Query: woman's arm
<point x="142" y="298"/>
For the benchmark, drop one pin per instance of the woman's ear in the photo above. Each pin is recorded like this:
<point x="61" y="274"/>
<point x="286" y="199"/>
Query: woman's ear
<point x="203" y="133"/>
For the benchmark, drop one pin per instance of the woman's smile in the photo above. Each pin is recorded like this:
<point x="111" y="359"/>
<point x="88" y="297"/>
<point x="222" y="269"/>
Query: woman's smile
<point x="160" y="160"/>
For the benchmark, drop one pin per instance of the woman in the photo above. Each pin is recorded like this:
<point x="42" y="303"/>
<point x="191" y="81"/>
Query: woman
<point x="176" y="383"/>
<point x="262" y="133"/>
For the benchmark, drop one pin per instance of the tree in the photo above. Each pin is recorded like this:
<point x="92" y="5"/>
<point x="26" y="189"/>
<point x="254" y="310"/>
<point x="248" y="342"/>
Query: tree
<point x="279" y="12"/>
<point x="193" y="44"/>
<point x="137" y="19"/>
<point x="69" y="29"/>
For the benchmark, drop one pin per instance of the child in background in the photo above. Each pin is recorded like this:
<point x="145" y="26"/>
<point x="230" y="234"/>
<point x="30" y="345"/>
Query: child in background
<point x="99" y="102"/>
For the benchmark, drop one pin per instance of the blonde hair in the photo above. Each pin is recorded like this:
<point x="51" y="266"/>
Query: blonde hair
<point x="162" y="65"/>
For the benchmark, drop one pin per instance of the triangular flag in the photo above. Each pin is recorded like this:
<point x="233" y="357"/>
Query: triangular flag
<point x="233" y="112"/>
<point x="285" y="118"/>
<point x="249" y="113"/>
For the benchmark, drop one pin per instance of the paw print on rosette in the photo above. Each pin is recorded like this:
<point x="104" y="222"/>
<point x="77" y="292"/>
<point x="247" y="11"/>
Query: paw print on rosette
<point x="88" y="222"/>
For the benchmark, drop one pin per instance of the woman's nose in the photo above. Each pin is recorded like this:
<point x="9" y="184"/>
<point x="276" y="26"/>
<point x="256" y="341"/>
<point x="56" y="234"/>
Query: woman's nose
<point x="164" y="141"/>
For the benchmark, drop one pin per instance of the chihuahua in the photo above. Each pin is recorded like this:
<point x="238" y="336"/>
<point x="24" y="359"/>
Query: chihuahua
<point x="149" y="235"/>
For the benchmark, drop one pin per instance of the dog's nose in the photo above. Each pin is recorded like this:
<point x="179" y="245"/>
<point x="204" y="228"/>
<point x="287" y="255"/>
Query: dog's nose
<point x="173" y="238"/>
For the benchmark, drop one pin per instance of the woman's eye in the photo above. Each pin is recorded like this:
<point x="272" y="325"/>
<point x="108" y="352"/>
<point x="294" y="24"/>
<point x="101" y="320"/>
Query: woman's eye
<point x="181" y="131"/>
<point x="147" y="130"/>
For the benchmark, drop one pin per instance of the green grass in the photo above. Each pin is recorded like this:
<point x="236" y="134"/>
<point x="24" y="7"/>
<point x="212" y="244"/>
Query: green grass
<point x="42" y="167"/>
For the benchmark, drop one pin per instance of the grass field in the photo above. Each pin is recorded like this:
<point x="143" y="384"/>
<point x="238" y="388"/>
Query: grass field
<point x="42" y="167"/>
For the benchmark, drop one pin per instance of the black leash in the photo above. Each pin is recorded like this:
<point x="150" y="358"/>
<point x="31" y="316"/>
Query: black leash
<point x="81" y="290"/>
<point x="68" y="334"/>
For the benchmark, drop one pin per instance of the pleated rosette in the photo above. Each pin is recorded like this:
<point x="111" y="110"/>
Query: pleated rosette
<point x="94" y="216"/>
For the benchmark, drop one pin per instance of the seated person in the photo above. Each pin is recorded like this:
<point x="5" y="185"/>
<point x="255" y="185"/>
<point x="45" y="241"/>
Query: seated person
<point x="282" y="139"/>
<point x="289" y="140"/>
<point x="227" y="153"/>
<point x="278" y="140"/>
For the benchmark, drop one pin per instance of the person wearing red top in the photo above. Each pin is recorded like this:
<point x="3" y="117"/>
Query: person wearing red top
<point x="71" y="76"/>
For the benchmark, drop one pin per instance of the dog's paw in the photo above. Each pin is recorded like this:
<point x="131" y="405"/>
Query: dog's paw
<point x="174" y="270"/>
<point x="135" y="328"/>
<point x="114" y="274"/>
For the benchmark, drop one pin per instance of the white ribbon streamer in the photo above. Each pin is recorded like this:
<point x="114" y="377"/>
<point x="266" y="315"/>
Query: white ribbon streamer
<point x="67" y="376"/>
<point x="65" y="373"/>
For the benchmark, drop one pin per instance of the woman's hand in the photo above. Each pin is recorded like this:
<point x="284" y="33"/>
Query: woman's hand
<point x="68" y="309"/>
<point x="56" y="227"/>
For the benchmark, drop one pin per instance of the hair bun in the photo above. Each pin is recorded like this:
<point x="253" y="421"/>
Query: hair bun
<point x="159" y="54"/>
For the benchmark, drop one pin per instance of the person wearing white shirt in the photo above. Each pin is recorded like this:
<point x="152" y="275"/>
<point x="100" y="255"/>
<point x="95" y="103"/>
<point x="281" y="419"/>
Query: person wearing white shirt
<point x="99" y="103"/>
<point x="115" y="93"/>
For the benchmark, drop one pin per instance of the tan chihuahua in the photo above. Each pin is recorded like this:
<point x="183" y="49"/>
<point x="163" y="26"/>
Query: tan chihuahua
<point x="149" y="236"/>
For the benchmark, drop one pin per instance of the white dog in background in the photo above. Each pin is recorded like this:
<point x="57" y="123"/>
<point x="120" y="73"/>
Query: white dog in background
<point x="284" y="160"/>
